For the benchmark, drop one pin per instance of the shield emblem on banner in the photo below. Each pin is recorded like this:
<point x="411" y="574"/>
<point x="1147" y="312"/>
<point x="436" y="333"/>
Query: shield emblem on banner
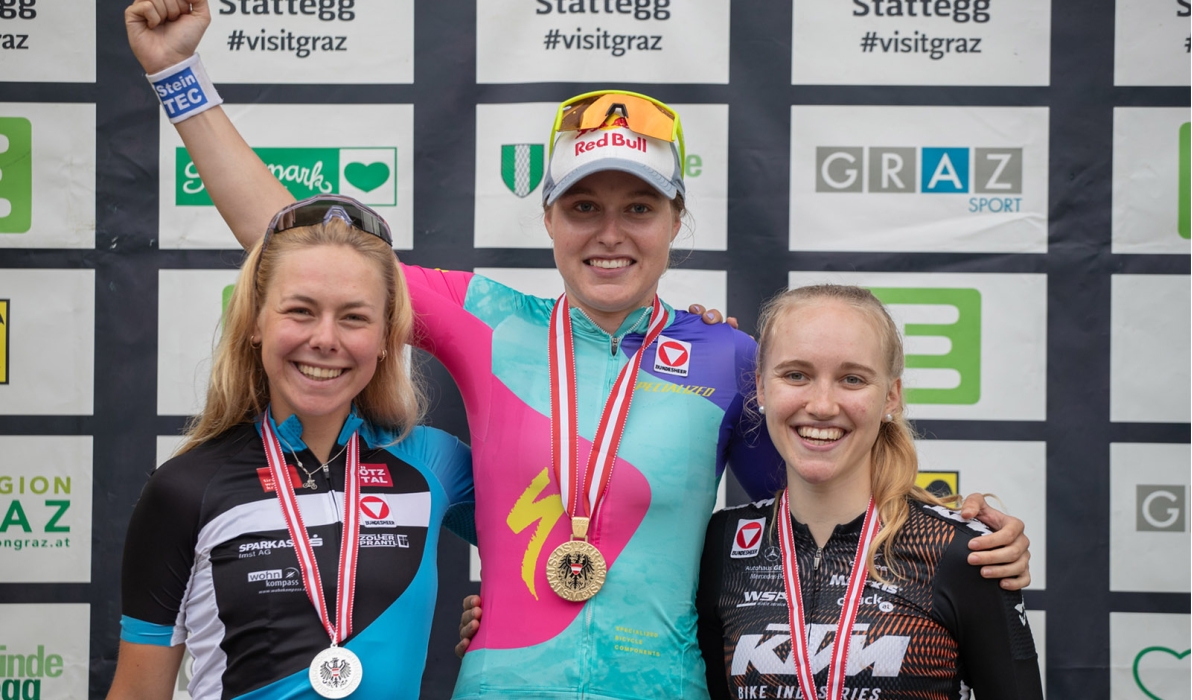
<point x="521" y="167"/>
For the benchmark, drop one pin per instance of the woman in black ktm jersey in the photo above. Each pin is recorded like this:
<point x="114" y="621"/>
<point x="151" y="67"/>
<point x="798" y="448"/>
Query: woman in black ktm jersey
<point x="852" y="548"/>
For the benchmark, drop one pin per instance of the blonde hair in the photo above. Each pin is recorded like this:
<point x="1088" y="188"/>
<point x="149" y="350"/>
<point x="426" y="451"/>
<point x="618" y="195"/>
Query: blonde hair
<point x="893" y="457"/>
<point x="239" y="390"/>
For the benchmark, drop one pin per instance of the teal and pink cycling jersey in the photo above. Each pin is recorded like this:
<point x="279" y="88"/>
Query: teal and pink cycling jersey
<point x="637" y="637"/>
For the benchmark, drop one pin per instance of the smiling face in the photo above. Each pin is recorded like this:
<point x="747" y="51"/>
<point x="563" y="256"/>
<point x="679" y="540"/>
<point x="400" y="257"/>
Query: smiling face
<point x="612" y="234"/>
<point x="825" y="384"/>
<point x="321" y="328"/>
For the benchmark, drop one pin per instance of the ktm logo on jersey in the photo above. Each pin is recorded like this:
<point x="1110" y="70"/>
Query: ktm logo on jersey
<point x="882" y="656"/>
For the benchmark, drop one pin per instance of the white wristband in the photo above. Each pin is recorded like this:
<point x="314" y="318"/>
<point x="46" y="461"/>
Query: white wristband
<point x="184" y="89"/>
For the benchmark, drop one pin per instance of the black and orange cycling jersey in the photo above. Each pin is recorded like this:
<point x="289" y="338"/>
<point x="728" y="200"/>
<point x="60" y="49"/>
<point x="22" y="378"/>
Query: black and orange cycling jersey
<point x="934" y="631"/>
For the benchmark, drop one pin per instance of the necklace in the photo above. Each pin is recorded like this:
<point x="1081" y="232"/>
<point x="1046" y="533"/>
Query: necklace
<point x="310" y="473"/>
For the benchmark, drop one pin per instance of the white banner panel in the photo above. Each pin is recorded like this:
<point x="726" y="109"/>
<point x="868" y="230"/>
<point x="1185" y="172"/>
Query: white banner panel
<point x="1151" y="183"/>
<point x="1151" y="42"/>
<point x="45" y="650"/>
<point x="310" y="41"/>
<point x="366" y="152"/>
<point x="47" y="42"/>
<point x="1014" y="472"/>
<point x="921" y="42"/>
<point x="512" y="156"/>
<point x="1148" y="517"/>
<point x="919" y="179"/>
<point x="1149" y="353"/>
<point x="47" y="342"/>
<point x="605" y="41"/>
<point x="976" y="344"/>
<point x="47" y="175"/>
<point x="1148" y="656"/>
<point x="679" y="288"/>
<point x="189" y="306"/>
<point x="45" y="509"/>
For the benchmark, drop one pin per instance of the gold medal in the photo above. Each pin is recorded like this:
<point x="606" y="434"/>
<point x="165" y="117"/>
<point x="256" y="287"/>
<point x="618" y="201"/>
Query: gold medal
<point x="576" y="569"/>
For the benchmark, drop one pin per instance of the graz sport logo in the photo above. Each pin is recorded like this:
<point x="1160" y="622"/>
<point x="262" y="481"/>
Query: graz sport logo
<point x="925" y="170"/>
<point x="1161" y="508"/>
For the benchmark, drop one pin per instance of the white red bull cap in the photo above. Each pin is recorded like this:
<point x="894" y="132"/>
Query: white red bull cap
<point x="578" y="154"/>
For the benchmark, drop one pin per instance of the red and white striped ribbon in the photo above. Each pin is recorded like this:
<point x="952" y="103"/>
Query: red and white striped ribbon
<point x="349" y="549"/>
<point x="583" y="492"/>
<point x="848" y="614"/>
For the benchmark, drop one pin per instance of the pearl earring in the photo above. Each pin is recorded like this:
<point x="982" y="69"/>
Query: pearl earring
<point x="761" y="409"/>
<point x="889" y="417"/>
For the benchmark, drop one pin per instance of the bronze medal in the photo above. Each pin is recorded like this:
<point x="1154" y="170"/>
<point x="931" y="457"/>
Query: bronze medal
<point x="576" y="570"/>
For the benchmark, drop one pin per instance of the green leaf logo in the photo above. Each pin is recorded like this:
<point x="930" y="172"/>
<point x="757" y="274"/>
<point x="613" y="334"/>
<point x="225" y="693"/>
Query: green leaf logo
<point x="366" y="177"/>
<point x="1163" y="650"/>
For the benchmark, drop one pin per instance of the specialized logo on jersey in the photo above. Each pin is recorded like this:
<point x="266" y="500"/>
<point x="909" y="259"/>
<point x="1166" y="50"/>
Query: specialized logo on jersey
<point x="522" y="167"/>
<point x="939" y="484"/>
<point x="375" y="512"/>
<point x="4" y="341"/>
<point x="527" y="511"/>
<point x="375" y="475"/>
<point x="883" y="656"/>
<point x="748" y="539"/>
<point x="672" y="357"/>
<point x="266" y="477"/>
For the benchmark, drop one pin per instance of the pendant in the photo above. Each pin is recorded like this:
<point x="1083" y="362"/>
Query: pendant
<point x="336" y="672"/>
<point x="576" y="570"/>
<point x="310" y="484"/>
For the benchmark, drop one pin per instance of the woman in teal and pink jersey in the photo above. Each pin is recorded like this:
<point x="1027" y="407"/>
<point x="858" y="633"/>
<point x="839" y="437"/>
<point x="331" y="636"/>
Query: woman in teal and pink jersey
<point x="538" y="399"/>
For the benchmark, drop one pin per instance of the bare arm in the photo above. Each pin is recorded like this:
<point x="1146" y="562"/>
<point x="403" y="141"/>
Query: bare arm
<point x="145" y="672"/>
<point x="164" y="32"/>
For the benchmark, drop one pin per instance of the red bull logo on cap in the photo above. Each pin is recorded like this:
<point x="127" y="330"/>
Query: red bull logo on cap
<point x="611" y="139"/>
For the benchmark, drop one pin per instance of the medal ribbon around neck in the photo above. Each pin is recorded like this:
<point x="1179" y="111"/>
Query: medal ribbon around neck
<point x="582" y="493"/>
<point x="284" y="487"/>
<point x="848" y="613"/>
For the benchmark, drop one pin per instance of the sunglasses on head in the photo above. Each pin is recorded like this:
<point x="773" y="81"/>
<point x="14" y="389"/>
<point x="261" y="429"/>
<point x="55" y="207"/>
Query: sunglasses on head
<point x="642" y="114"/>
<point x="323" y="208"/>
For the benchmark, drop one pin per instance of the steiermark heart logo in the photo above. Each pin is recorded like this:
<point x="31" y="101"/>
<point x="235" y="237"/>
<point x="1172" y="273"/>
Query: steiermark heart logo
<point x="366" y="177"/>
<point x="1163" y="650"/>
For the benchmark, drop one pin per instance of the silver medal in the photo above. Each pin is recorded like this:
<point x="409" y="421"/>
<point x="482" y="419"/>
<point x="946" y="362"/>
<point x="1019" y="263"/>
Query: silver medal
<point x="336" y="672"/>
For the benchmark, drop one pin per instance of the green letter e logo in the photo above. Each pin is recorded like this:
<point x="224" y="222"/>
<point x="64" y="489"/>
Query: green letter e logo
<point x="958" y="354"/>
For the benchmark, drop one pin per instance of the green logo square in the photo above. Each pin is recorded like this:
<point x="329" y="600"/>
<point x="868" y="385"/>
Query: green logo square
<point x="16" y="175"/>
<point x="963" y="335"/>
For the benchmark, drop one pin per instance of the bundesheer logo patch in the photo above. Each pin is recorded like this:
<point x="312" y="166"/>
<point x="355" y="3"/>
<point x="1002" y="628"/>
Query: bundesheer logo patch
<point x="522" y="167"/>
<point x="673" y="356"/>
<point x="748" y="539"/>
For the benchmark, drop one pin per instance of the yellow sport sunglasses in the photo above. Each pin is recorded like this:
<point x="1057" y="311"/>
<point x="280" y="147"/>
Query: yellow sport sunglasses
<point x="644" y="115"/>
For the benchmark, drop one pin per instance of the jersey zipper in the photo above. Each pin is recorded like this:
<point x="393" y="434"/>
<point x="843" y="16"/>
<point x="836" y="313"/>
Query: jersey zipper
<point x="614" y="341"/>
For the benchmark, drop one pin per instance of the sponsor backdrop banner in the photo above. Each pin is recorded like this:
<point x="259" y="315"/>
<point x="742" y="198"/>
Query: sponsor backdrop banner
<point x="1012" y="178"/>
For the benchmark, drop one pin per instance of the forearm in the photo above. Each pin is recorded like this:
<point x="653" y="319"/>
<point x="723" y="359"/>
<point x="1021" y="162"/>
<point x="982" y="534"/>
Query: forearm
<point x="241" y="187"/>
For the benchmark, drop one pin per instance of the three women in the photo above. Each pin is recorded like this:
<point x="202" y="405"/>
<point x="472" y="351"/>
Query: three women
<point x="545" y="380"/>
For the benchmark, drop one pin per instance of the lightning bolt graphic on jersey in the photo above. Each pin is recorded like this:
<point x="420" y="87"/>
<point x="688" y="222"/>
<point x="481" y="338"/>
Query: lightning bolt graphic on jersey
<point x="526" y="511"/>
